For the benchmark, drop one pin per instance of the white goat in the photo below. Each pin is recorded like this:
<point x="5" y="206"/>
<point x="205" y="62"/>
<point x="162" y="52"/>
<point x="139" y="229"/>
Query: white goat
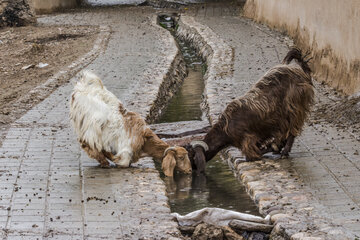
<point x="106" y="129"/>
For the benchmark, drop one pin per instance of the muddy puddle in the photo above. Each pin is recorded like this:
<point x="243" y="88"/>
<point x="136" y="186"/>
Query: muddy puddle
<point x="218" y="187"/>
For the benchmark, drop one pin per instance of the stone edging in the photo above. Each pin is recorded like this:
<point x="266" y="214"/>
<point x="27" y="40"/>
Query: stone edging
<point x="163" y="80"/>
<point x="219" y="58"/>
<point x="273" y="185"/>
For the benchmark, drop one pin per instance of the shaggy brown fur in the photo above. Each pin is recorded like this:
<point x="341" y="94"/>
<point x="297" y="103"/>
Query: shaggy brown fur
<point x="275" y="108"/>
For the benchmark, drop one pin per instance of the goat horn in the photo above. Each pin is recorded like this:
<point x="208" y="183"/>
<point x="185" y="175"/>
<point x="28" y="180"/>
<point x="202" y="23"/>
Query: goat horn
<point x="308" y="52"/>
<point x="308" y="60"/>
<point x="169" y="149"/>
<point x="200" y="144"/>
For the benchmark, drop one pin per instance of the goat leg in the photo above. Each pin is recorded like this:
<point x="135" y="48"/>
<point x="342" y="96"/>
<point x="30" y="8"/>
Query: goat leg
<point x="288" y="146"/>
<point x="95" y="154"/>
<point x="270" y="146"/>
<point x="267" y="149"/>
<point x="123" y="160"/>
<point x="103" y="162"/>
<point x="250" y="149"/>
<point x="200" y="160"/>
<point x="279" y="146"/>
<point x="100" y="157"/>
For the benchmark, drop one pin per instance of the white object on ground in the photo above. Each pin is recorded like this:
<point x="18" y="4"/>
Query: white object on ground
<point x="42" y="65"/>
<point x="28" y="66"/>
<point x="217" y="216"/>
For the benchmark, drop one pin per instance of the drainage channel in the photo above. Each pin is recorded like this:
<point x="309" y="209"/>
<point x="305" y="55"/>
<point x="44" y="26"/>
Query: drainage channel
<point x="185" y="105"/>
<point x="218" y="187"/>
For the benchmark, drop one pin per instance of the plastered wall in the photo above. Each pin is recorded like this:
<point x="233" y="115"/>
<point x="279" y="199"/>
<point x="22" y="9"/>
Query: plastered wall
<point x="329" y="28"/>
<point x="46" y="6"/>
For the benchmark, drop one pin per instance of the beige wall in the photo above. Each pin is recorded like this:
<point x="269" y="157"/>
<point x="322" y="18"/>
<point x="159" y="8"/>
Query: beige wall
<point x="329" y="28"/>
<point x="46" y="6"/>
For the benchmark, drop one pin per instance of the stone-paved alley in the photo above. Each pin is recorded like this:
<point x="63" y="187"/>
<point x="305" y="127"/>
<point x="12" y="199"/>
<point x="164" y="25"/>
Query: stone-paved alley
<point x="50" y="189"/>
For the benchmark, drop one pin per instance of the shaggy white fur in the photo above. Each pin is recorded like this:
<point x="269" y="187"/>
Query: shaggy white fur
<point x="106" y="130"/>
<point x="95" y="115"/>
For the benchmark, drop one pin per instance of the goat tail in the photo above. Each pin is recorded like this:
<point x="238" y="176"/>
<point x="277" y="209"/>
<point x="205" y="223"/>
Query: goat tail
<point x="296" y="54"/>
<point x="89" y="78"/>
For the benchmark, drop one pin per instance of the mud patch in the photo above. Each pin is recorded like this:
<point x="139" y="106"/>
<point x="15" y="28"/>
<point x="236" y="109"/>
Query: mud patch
<point x="56" y="37"/>
<point x="31" y="55"/>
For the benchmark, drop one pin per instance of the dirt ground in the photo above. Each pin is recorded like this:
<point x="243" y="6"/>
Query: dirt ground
<point x="25" y="53"/>
<point x="340" y="110"/>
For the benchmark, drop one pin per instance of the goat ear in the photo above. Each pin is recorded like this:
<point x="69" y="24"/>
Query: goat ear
<point x="149" y="134"/>
<point x="168" y="164"/>
<point x="199" y="160"/>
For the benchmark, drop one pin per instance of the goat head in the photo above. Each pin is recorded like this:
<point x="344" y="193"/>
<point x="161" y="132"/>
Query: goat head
<point x="176" y="157"/>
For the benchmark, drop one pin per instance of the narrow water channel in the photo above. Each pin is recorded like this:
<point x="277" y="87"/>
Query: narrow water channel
<point x="185" y="105"/>
<point x="218" y="187"/>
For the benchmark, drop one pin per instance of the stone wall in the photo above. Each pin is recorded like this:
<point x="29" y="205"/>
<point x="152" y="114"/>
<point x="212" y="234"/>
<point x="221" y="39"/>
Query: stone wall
<point x="329" y="28"/>
<point x="47" y="6"/>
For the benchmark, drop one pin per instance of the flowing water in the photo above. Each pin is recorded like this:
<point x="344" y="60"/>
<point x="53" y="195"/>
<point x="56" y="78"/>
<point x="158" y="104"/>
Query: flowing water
<point x="218" y="187"/>
<point x="185" y="105"/>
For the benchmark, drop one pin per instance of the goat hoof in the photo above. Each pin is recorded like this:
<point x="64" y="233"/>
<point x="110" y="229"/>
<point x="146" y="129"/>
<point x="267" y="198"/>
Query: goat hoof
<point x="274" y="147"/>
<point x="122" y="164"/>
<point x="105" y="165"/>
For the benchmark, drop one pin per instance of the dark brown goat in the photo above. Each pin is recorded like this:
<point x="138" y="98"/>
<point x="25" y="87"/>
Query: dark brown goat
<point x="271" y="114"/>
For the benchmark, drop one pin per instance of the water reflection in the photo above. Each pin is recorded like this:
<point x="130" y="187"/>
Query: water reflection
<point x="217" y="188"/>
<point x="184" y="106"/>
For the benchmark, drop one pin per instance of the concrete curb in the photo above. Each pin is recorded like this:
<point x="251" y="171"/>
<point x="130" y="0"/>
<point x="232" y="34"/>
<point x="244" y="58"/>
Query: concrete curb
<point x="273" y="185"/>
